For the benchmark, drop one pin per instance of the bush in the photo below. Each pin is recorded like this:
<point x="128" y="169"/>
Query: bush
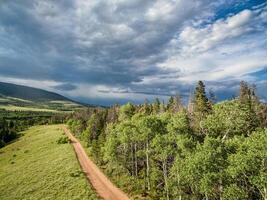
<point x="63" y="140"/>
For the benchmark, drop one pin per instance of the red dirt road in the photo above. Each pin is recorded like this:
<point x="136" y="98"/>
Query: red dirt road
<point x="103" y="186"/>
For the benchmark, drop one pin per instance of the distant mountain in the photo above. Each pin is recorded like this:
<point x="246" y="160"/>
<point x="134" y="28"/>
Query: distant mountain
<point x="18" y="97"/>
<point x="29" y="93"/>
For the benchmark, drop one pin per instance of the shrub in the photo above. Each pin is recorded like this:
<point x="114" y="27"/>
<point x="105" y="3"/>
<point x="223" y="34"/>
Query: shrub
<point x="63" y="140"/>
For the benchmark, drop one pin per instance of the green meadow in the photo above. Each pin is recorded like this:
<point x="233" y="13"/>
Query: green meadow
<point x="20" y="108"/>
<point x="36" y="167"/>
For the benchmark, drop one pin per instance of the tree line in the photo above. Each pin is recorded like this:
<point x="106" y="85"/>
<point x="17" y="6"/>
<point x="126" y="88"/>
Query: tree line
<point x="13" y="122"/>
<point x="206" y="150"/>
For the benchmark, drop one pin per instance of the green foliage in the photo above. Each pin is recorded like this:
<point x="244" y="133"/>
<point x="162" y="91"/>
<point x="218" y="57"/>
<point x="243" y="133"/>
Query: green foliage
<point x="126" y="111"/>
<point x="201" y="101"/>
<point x="204" y="172"/>
<point x="175" y="104"/>
<point x="42" y="169"/>
<point x="7" y="132"/>
<point x="250" y="159"/>
<point x="213" y="151"/>
<point x="179" y="123"/>
<point x="230" y="118"/>
<point x="199" y="107"/>
<point x="12" y="122"/>
<point x="63" y="140"/>
<point x="233" y="192"/>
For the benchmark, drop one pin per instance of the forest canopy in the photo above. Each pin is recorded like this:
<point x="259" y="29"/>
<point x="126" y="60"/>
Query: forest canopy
<point x="206" y="150"/>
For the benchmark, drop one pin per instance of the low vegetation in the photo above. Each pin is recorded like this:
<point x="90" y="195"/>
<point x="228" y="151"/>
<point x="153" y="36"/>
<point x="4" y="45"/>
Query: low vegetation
<point x="63" y="140"/>
<point x="36" y="167"/>
<point x="13" y="122"/>
<point x="206" y="151"/>
<point x="21" y="108"/>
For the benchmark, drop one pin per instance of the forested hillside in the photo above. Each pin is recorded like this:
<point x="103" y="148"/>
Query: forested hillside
<point x="29" y="93"/>
<point x="206" y="150"/>
<point x="13" y="122"/>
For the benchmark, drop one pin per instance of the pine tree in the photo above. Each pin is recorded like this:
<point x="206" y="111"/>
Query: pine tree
<point x="247" y="95"/>
<point x="244" y="92"/>
<point x="201" y="102"/>
<point x="249" y="102"/>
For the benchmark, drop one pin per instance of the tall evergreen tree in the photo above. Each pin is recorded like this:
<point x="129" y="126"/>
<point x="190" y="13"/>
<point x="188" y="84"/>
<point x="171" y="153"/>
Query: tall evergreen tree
<point x="247" y="95"/>
<point x="244" y="92"/>
<point x="201" y="101"/>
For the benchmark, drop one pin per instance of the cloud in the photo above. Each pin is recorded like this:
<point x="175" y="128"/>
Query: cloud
<point x="202" y="39"/>
<point x="132" y="49"/>
<point x="226" y="49"/>
<point x="65" y="87"/>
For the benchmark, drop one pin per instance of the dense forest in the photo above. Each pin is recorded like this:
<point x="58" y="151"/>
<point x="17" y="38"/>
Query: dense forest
<point x="13" y="122"/>
<point x="206" y="150"/>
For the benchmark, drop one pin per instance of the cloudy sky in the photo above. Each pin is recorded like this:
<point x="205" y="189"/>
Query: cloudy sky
<point x="107" y="51"/>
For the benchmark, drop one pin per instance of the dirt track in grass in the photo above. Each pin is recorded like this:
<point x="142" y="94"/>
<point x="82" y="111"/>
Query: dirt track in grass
<point x="103" y="186"/>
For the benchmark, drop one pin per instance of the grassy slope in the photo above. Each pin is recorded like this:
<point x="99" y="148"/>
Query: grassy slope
<point x="16" y="104"/>
<point x="18" y="108"/>
<point x="9" y="103"/>
<point x="19" y="97"/>
<point x="36" y="167"/>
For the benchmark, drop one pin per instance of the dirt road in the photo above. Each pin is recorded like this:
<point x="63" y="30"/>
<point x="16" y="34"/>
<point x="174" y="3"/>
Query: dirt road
<point x="103" y="186"/>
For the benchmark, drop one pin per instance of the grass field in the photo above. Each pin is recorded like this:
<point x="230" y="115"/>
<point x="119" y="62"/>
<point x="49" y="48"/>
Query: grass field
<point x="20" y="108"/>
<point x="36" y="167"/>
<point x="8" y="99"/>
<point x="16" y="104"/>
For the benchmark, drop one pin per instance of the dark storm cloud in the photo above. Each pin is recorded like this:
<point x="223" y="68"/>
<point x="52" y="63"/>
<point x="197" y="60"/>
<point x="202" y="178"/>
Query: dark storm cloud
<point x="139" y="92"/>
<point x="39" y="46"/>
<point x="65" y="87"/>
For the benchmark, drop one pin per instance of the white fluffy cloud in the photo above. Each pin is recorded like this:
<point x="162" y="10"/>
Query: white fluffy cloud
<point x="202" y="39"/>
<point x="226" y="49"/>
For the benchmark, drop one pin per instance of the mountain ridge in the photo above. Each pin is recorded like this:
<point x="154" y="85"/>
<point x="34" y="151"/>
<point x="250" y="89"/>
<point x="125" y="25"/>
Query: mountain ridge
<point x="30" y="93"/>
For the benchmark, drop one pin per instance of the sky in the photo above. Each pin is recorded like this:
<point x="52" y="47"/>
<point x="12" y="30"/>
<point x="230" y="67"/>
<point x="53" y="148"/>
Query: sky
<point x="114" y="51"/>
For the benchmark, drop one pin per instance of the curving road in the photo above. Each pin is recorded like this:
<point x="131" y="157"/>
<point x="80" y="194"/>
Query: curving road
<point x="103" y="186"/>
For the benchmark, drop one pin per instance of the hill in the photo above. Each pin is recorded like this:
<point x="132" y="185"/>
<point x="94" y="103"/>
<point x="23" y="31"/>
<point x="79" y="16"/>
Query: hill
<point x="29" y="93"/>
<point x="18" y="97"/>
<point x="37" y="167"/>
